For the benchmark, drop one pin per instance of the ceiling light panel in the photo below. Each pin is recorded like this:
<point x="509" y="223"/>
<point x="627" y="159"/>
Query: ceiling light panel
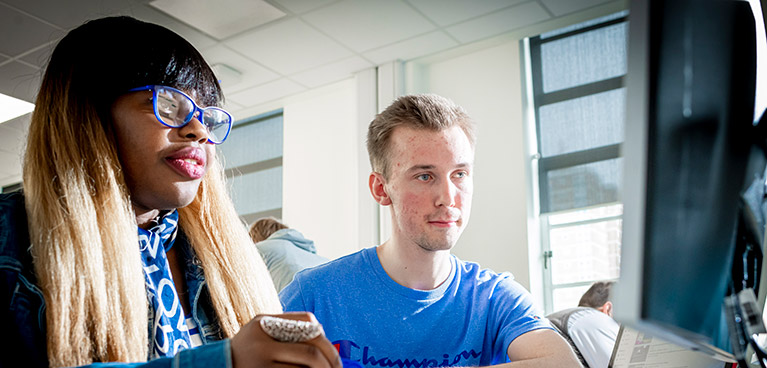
<point x="11" y="108"/>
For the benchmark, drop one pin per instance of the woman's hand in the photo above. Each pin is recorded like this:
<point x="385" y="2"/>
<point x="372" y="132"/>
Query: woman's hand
<point x="252" y="347"/>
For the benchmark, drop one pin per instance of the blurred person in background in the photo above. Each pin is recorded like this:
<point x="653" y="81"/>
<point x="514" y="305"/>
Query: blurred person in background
<point x="284" y="250"/>
<point x="590" y="328"/>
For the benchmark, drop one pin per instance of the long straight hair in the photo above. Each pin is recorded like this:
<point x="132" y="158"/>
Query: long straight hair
<point x="82" y="226"/>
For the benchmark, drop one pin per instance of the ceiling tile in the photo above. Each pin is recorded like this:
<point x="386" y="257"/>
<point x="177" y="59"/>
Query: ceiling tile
<point x="232" y="107"/>
<point x="412" y="48"/>
<point x="332" y="72"/>
<point x="19" y="80"/>
<point x="560" y="7"/>
<point x="498" y="22"/>
<point x="20" y="124"/>
<point x="40" y="57"/>
<point x="302" y="6"/>
<point x="446" y="12"/>
<point x="11" y="140"/>
<point x="222" y="18"/>
<point x="194" y="36"/>
<point x="69" y="14"/>
<point x="288" y="47"/>
<point x="252" y="73"/>
<point x="367" y="24"/>
<point x="266" y="92"/>
<point x="21" y="32"/>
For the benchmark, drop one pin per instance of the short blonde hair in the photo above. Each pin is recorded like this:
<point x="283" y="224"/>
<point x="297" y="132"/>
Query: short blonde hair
<point x="423" y="111"/>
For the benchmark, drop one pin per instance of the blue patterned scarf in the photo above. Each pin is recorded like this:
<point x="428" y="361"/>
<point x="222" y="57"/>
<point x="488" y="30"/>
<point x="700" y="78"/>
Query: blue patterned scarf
<point x="168" y="333"/>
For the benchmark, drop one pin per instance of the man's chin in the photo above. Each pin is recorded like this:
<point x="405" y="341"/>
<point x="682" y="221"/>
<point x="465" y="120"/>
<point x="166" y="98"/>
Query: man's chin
<point x="435" y="246"/>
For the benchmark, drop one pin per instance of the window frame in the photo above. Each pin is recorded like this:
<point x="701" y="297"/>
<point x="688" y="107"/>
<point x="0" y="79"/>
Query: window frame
<point x="543" y="165"/>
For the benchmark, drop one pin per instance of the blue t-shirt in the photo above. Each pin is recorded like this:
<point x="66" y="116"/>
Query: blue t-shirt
<point x="469" y="320"/>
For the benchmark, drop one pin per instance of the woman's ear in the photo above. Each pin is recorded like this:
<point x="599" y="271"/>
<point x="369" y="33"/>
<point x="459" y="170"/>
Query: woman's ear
<point x="377" y="183"/>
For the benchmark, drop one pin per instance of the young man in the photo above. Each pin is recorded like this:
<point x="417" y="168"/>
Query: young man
<point x="590" y="327"/>
<point x="409" y="302"/>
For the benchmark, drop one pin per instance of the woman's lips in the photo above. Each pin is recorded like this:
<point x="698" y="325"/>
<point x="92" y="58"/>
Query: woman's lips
<point x="189" y="162"/>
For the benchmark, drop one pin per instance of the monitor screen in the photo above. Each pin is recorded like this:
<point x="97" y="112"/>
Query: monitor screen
<point x="688" y="156"/>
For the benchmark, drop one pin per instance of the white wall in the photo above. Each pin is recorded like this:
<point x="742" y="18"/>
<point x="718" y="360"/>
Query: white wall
<point x="486" y="83"/>
<point x="320" y="167"/>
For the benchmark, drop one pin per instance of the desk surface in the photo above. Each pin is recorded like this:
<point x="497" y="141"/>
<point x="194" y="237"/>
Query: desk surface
<point x="634" y="349"/>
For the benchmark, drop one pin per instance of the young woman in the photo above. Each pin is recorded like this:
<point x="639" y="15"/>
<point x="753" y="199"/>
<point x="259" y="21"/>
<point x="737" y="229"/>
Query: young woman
<point x="125" y="246"/>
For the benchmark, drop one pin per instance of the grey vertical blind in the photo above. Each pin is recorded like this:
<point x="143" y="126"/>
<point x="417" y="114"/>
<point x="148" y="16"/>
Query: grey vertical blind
<point x="252" y="158"/>
<point x="579" y="103"/>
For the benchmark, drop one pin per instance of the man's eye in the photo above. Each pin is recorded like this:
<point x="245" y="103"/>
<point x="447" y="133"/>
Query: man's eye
<point x="423" y="177"/>
<point x="461" y="174"/>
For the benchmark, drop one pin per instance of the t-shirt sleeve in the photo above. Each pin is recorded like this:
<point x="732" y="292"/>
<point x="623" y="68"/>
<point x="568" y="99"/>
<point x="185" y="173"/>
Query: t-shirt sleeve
<point x="292" y="298"/>
<point x="513" y="314"/>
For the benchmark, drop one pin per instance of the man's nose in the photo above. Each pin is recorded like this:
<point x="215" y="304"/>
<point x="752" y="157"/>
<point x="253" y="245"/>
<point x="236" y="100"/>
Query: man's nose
<point x="446" y="192"/>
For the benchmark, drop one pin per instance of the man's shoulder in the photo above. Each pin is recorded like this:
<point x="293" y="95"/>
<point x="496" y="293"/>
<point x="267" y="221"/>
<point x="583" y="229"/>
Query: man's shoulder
<point x="472" y="273"/>
<point x="499" y="290"/>
<point x="591" y="316"/>
<point x="325" y="280"/>
<point x="560" y="318"/>
<point x="333" y="268"/>
<point x="570" y="311"/>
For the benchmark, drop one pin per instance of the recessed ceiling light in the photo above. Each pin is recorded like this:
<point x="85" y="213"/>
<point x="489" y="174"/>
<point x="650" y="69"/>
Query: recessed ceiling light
<point x="222" y="18"/>
<point x="11" y="108"/>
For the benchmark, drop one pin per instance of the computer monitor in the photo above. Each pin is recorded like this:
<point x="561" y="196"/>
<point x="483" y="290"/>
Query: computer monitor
<point x="689" y="153"/>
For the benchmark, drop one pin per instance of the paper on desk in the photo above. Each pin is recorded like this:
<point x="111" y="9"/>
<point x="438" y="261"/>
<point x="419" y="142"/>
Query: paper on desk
<point x="637" y="350"/>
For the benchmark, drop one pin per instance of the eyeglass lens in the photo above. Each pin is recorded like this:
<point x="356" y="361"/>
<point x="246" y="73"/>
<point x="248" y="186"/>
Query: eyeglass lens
<point x="176" y="109"/>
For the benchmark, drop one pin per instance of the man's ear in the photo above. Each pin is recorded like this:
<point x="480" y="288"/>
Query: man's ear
<point x="377" y="183"/>
<point x="607" y="308"/>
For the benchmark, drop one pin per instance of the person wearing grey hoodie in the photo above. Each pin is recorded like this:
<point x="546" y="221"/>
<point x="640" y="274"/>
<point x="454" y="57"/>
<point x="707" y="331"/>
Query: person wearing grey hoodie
<point x="285" y="251"/>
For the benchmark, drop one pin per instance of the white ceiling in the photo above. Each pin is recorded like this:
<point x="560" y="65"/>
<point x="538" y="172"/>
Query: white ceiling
<point x="315" y="43"/>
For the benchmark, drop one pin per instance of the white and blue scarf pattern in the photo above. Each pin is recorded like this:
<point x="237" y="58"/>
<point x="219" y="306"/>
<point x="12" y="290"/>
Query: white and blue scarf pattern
<point x="168" y="333"/>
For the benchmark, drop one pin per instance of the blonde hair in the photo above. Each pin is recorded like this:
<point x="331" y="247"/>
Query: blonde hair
<point x="84" y="241"/>
<point x="423" y="111"/>
<point x="264" y="228"/>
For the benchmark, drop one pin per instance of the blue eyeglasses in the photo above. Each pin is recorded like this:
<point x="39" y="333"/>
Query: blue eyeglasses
<point x="175" y="109"/>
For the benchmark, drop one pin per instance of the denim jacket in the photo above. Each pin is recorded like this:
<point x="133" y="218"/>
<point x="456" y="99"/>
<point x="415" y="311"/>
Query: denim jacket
<point x="22" y="306"/>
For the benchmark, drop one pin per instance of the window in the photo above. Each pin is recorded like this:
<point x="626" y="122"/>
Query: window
<point x="579" y="101"/>
<point x="252" y="158"/>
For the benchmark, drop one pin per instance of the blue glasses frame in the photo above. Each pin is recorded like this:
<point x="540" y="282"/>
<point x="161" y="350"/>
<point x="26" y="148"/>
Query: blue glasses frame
<point x="209" y="125"/>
